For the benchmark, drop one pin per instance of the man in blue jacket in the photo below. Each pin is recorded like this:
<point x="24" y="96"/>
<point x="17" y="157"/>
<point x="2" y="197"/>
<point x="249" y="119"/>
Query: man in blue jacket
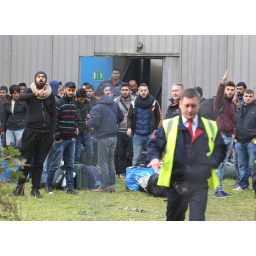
<point x="105" y="116"/>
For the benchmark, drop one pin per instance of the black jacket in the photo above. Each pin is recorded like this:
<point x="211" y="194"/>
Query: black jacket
<point x="82" y="110"/>
<point x="155" y="116"/>
<point x="108" y="83"/>
<point x="41" y="114"/>
<point x="190" y="161"/>
<point x="105" y="116"/>
<point x="245" y="123"/>
<point x="93" y="101"/>
<point x="14" y="121"/>
<point x="173" y="109"/>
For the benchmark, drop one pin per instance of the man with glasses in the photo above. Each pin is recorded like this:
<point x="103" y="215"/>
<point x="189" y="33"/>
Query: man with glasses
<point x="174" y="109"/>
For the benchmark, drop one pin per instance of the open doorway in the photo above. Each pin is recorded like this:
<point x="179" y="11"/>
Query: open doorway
<point x="149" y="71"/>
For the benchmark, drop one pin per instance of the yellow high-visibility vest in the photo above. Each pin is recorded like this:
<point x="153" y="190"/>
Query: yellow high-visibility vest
<point x="171" y="131"/>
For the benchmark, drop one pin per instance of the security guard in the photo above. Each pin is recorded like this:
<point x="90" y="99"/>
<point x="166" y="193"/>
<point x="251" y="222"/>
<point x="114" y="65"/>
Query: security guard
<point x="192" y="147"/>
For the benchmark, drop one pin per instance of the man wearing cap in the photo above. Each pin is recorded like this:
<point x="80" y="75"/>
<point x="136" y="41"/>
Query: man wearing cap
<point x="38" y="135"/>
<point x="200" y="93"/>
<point x="65" y="139"/>
<point x="240" y="88"/>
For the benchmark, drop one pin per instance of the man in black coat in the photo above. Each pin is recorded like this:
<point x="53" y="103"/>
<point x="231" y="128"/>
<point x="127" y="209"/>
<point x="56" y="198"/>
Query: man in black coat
<point x="13" y="116"/>
<point x="38" y="135"/>
<point x="245" y="138"/>
<point x="174" y="108"/>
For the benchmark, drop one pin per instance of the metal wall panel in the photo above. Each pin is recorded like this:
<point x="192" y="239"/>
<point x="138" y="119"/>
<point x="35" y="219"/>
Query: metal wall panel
<point x="5" y="44"/>
<point x="128" y="44"/>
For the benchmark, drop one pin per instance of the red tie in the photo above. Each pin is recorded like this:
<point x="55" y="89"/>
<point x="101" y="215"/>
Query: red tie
<point x="190" y="127"/>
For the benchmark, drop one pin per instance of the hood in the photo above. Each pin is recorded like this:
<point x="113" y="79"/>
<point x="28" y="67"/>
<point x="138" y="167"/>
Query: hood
<point x="54" y="84"/>
<point x="105" y="99"/>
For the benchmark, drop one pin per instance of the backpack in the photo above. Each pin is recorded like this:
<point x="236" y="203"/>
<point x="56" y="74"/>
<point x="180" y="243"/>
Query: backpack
<point x="155" y="190"/>
<point x="93" y="177"/>
<point x="206" y="109"/>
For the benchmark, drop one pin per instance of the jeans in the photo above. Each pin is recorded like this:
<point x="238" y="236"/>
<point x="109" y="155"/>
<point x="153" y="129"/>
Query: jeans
<point x="88" y="146"/>
<point x="245" y="151"/>
<point x="67" y="149"/>
<point x="106" y="149"/>
<point x="13" y="135"/>
<point x="45" y="165"/>
<point x="228" y="140"/>
<point x="123" y="141"/>
<point x="138" y="143"/>
<point x="235" y="158"/>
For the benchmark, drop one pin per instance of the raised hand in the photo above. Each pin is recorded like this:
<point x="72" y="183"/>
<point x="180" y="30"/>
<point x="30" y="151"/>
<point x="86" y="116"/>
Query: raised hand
<point x="224" y="77"/>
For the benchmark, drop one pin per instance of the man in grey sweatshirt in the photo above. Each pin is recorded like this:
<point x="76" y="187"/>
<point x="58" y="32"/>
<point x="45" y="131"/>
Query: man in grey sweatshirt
<point x="123" y="140"/>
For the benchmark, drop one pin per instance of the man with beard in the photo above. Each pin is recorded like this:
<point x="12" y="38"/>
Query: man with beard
<point x="240" y="88"/>
<point x="174" y="108"/>
<point x="13" y="116"/>
<point x="65" y="139"/>
<point x="134" y="87"/>
<point x="90" y="94"/>
<point x="123" y="140"/>
<point x="39" y="130"/>
<point x="143" y="119"/>
<point x="226" y="124"/>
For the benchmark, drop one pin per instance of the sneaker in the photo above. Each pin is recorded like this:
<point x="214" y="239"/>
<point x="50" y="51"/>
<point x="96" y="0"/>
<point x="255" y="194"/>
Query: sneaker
<point x="18" y="191"/>
<point x="237" y="189"/>
<point x="218" y="194"/>
<point x="73" y="191"/>
<point x="35" y="192"/>
<point x="101" y="190"/>
<point x="123" y="177"/>
<point x="48" y="190"/>
<point x="235" y="185"/>
<point x="226" y="194"/>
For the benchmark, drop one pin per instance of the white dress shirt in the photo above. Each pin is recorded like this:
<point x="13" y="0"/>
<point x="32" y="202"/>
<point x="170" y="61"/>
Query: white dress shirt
<point x="194" y="123"/>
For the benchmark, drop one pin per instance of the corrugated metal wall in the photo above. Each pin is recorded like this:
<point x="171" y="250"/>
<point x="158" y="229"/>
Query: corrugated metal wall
<point x="199" y="60"/>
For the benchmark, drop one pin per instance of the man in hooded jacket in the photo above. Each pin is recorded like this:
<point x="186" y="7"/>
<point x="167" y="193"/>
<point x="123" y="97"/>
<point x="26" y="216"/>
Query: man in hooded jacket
<point x="105" y="116"/>
<point x="38" y="135"/>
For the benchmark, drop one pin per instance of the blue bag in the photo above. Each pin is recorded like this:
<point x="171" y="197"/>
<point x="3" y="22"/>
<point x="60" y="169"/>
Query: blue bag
<point x="133" y="173"/>
<point x="93" y="177"/>
<point x="5" y="175"/>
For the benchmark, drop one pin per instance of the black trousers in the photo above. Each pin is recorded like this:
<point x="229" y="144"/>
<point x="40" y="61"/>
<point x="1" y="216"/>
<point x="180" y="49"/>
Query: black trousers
<point x="124" y="141"/>
<point x="177" y="205"/>
<point x="38" y="144"/>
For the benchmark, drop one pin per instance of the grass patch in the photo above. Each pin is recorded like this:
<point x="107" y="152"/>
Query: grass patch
<point x="125" y="205"/>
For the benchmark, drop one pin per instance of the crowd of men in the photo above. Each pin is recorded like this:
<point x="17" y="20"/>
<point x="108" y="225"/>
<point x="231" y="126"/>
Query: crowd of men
<point x="115" y="121"/>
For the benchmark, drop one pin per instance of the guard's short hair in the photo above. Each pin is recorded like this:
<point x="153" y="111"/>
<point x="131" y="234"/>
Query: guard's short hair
<point x="230" y="83"/>
<point x="180" y="85"/>
<point x="98" y="93"/>
<point x="81" y="93"/>
<point x="89" y="86"/>
<point x="14" y="88"/>
<point x="143" y="84"/>
<point x="108" y="89"/>
<point x="249" y="91"/>
<point x="189" y="93"/>
<point x="133" y="81"/>
<point x="4" y="88"/>
<point x="124" y="85"/>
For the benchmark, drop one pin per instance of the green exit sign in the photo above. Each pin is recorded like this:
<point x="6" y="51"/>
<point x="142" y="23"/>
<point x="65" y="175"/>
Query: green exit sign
<point x="97" y="75"/>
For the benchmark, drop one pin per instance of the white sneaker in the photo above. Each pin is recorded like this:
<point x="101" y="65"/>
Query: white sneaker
<point x="237" y="189"/>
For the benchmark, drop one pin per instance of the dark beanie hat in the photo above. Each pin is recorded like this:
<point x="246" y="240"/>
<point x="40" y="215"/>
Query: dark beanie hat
<point x="242" y="84"/>
<point x="199" y="89"/>
<point x="40" y="72"/>
<point x="70" y="84"/>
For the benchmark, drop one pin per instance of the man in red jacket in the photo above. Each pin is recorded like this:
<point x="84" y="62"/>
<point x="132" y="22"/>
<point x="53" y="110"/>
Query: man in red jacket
<point x="225" y="123"/>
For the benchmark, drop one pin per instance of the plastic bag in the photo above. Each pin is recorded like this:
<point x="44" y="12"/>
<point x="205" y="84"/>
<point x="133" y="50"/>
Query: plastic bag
<point x="134" y="174"/>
